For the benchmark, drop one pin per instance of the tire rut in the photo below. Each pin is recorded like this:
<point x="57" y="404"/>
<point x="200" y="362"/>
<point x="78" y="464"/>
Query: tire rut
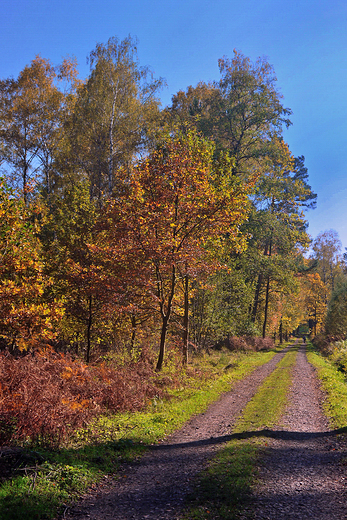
<point x="304" y="473"/>
<point x="156" y="485"/>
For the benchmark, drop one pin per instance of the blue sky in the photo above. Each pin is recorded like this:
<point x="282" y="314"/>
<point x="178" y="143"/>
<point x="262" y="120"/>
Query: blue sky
<point x="181" y="40"/>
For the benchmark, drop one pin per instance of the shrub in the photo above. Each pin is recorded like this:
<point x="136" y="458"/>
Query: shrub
<point x="339" y="355"/>
<point x="325" y="344"/>
<point x="237" y="343"/>
<point x="43" y="397"/>
<point x="264" y="344"/>
<point x="244" y="343"/>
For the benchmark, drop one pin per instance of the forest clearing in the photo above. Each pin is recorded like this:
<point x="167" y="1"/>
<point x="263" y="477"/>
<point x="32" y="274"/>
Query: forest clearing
<point x="157" y="288"/>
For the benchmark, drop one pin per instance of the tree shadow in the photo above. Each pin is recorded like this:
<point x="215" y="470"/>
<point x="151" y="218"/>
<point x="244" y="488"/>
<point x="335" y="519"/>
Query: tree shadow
<point x="267" y="433"/>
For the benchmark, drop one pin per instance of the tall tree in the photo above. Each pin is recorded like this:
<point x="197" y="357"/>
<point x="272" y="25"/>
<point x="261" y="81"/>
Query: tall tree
<point x="69" y="238"/>
<point x="115" y="112"/>
<point x="327" y="252"/>
<point x="336" y="317"/>
<point x="314" y="291"/>
<point x="178" y="210"/>
<point x="32" y="111"/>
<point x="242" y="112"/>
<point x="278" y="228"/>
<point x="27" y="319"/>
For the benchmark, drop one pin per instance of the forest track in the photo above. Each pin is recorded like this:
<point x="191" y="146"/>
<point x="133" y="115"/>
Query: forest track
<point x="304" y="473"/>
<point x="155" y="486"/>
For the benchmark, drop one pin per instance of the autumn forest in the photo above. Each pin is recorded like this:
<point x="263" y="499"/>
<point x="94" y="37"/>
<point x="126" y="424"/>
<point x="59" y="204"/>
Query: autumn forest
<point x="134" y="235"/>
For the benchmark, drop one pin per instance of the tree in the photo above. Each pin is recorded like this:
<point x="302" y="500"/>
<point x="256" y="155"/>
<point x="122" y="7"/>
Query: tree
<point x="114" y="114"/>
<point x="315" y="301"/>
<point x="327" y="252"/>
<point x="69" y="239"/>
<point x="278" y="230"/>
<point x="242" y="113"/>
<point x="32" y="111"/>
<point x="176" y="216"/>
<point x="336" y="318"/>
<point x="220" y="307"/>
<point x="27" y="318"/>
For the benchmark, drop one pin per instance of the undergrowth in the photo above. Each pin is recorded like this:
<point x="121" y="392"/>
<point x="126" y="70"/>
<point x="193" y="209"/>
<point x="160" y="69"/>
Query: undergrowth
<point x="47" y="396"/>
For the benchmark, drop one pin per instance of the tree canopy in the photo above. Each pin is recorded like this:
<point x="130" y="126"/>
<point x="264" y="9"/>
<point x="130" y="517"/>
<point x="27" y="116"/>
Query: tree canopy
<point x="128" y="226"/>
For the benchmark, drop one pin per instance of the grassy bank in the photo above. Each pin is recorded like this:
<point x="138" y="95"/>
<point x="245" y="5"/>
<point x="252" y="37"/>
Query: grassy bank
<point x="46" y="480"/>
<point x="334" y="385"/>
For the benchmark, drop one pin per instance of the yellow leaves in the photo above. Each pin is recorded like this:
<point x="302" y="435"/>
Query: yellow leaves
<point x="24" y="318"/>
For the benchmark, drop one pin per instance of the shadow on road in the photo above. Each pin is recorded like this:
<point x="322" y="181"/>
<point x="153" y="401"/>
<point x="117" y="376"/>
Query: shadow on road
<point x="284" y="435"/>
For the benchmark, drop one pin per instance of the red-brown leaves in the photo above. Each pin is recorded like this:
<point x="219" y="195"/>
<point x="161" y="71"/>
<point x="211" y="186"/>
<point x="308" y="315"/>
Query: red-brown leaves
<point x="46" y="396"/>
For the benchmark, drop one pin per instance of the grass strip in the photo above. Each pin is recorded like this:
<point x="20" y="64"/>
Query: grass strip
<point x="55" y="477"/>
<point x="224" y="487"/>
<point x="335" y="387"/>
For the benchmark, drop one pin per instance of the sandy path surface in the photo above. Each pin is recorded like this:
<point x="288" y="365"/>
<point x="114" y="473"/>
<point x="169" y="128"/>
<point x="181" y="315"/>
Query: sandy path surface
<point x="304" y="474"/>
<point x="155" y="487"/>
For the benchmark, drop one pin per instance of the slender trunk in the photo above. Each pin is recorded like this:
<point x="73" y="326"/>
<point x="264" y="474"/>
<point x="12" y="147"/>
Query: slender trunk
<point x="165" y="322"/>
<point x="89" y="326"/>
<point x="25" y="183"/>
<point x="111" y="153"/>
<point x="186" y="320"/>
<point x="165" y="315"/>
<point x="133" y="331"/>
<point x="281" y="332"/>
<point x="258" y="289"/>
<point x="266" y="305"/>
<point x="110" y="158"/>
<point x="256" y="298"/>
<point x="268" y="250"/>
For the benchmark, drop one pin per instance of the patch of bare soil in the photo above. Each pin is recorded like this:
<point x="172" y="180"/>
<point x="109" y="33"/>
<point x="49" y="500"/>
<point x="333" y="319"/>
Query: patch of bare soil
<point x="304" y="474"/>
<point x="155" y="486"/>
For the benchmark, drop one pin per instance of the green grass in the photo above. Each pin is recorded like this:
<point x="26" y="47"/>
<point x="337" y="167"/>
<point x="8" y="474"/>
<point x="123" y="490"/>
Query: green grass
<point x="38" y="492"/>
<point x="223" y="489"/>
<point x="265" y="409"/>
<point x="334" y="384"/>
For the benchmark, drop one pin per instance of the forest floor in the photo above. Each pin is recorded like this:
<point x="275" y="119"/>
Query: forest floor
<point x="303" y="473"/>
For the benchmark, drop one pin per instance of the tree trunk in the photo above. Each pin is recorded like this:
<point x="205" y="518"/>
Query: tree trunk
<point x="268" y="251"/>
<point x="258" y="288"/>
<point x="89" y="326"/>
<point x="266" y="305"/>
<point x="111" y="142"/>
<point x="256" y="298"/>
<point x="164" y="327"/>
<point x="165" y="315"/>
<point x="186" y="321"/>
<point x="281" y="332"/>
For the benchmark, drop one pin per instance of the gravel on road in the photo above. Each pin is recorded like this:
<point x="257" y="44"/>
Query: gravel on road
<point x="156" y="485"/>
<point x="304" y="473"/>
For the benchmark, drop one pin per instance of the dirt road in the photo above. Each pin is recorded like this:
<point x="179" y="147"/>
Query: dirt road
<point x="304" y="474"/>
<point x="156" y="486"/>
<point x="301" y="477"/>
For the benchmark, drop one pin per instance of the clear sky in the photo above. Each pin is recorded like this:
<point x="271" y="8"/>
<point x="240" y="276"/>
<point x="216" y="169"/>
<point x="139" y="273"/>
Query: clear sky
<point x="181" y="40"/>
